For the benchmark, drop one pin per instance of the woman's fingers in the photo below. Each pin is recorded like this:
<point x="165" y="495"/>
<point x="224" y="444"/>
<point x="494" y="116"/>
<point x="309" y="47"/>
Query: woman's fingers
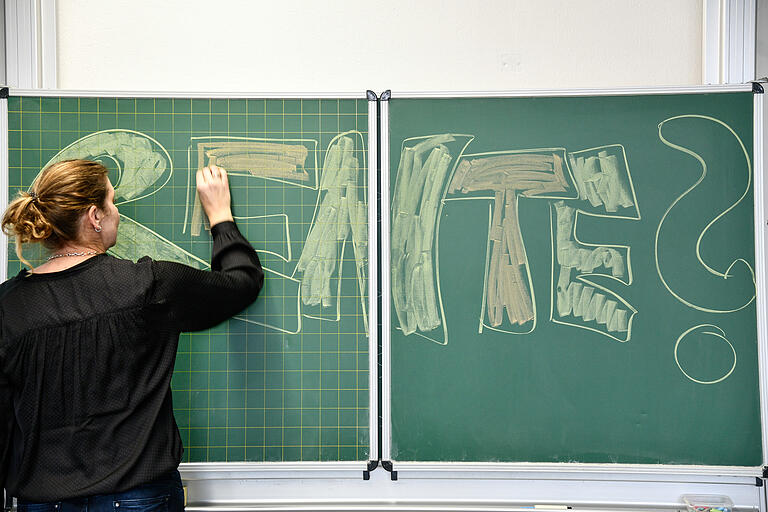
<point x="219" y="173"/>
<point x="211" y="174"/>
<point x="213" y="191"/>
<point x="204" y="176"/>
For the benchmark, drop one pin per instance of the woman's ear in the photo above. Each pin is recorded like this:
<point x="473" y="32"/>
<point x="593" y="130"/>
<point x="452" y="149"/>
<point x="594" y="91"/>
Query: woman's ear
<point x="94" y="216"/>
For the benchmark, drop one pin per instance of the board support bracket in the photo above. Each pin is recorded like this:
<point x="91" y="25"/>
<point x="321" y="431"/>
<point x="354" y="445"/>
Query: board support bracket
<point x="372" y="464"/>
<point x="387" y="465"/>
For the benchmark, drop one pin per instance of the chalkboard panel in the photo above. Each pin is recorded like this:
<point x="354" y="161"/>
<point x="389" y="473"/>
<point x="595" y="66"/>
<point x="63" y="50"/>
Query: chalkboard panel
<point x="572" y="280"/>
<point x="287" y="379"/>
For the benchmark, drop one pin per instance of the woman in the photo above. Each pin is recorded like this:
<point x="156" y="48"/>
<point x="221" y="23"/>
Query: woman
<point x="88" y="343"/>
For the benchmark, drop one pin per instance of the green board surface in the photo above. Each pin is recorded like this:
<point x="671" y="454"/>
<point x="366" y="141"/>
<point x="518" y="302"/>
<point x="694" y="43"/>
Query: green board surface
<point x="286" y="380"/>
<point x="558" y="275"/>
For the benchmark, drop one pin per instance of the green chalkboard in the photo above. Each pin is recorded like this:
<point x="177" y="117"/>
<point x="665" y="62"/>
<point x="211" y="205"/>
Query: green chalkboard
<point x="286" y="380"/>
<point x="558" y="276"/>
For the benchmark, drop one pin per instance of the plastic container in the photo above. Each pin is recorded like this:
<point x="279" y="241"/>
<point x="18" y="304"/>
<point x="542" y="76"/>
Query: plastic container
<point x="707" y="503"/>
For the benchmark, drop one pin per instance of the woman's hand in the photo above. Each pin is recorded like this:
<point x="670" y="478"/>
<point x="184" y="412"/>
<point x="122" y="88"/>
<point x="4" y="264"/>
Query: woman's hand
<point x="213" y="191"/>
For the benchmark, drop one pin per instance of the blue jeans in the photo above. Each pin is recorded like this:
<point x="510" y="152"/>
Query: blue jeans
<point x="163" y="495"/>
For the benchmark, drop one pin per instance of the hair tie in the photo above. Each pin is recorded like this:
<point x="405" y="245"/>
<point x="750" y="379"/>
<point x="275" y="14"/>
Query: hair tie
<point x="33" y="195"/>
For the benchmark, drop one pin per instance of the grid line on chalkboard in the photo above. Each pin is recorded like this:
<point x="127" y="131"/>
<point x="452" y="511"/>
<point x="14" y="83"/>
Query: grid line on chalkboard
<point x="321" y="407"/>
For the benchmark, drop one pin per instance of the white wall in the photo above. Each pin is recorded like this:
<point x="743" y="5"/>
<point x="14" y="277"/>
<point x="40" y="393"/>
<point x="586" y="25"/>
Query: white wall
<point x="353" y="45"/>
<point x="761" y="45"/>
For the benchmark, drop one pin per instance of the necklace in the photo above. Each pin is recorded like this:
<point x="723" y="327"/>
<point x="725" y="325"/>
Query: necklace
<point x="85" y="253"/>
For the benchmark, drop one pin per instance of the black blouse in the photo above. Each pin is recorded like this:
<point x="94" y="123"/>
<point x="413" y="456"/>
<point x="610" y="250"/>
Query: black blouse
<point x="86" y="357"/>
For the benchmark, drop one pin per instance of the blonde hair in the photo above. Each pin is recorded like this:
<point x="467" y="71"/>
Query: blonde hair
<point x="50" y="212"/>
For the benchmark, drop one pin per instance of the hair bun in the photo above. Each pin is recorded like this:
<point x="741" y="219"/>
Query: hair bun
<point x="25" y="220"/>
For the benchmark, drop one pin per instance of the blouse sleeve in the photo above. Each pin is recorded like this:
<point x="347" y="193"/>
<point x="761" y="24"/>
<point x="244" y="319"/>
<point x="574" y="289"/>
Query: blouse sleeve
<point x="193" y="300"/>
